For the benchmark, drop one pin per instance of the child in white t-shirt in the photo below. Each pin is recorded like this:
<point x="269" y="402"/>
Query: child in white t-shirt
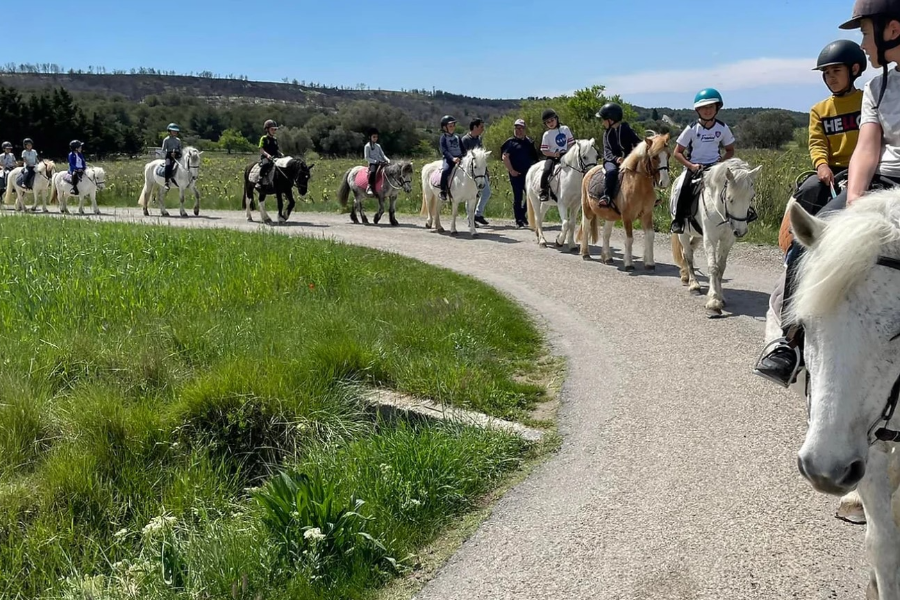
<point x="703" y="140"/>
<point x="556" y="141"/>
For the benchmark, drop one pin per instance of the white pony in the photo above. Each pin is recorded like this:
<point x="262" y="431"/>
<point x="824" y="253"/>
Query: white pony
<point x="40" y="188"/>
<point x="724" y="214"/>
<point x="184" y="177"/>
<point x="565" y="186"/>
<point x="93" y="181"/>
<point x="848" y="286"/>
<point x="466" y="184"/>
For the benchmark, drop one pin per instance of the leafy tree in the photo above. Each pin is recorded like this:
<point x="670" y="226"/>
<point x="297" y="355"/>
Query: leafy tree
<point x="770" y="129"/>
<point x="232" y="141"/>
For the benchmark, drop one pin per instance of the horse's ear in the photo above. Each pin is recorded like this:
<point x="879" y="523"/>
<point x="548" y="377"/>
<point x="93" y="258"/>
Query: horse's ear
<point x="755" y="172"/>
<point x="729" y="175"/>
<point x="488" y="153"/>
<point x="807" y="228"/>
<point x="311" y="166"/>
<point x="649" y="142"/>
<point x="591" y="141"/>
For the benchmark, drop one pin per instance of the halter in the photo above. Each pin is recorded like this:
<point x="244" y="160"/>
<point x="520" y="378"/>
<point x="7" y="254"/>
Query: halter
<point x="472" y="175"/>
<point x="403" y="182"/>
<point x="654" y="175"/>
<point x="191" y="169"/>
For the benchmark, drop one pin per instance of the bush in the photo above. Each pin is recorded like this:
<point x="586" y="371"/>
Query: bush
<point x="770" y="129"/>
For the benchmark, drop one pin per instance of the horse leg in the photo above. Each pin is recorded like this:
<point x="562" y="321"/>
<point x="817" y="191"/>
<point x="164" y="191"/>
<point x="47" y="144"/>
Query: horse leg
<point x="182" y="212"/>
<point x="714" y="294"/>
<point x="435" y="210"/>
<point x="63" y="199"/>
<point x="44" y="197"/>
<point x="94" y="202"/>
<point x="248" y="200"/>
<point x="81" y="204"/>
<point x="380" y="212"/>
<point x="280" y="197"/>
<point x="196" y="200"/>
<point x="564" y="224"/>
<point x="882" y="534"/>
<point x="161" y="201"/>
<point x="393" y="211"/>
<point x="262" y="209"/>
<point x="688" y="244"/>
<point x="586" y="221"/>
<point x="649" y="234"/>
<point x="360" y="201"/>
<point x="291" y="203"/>
<point x="454" y="211"/>
<point x="471" y="203"/>
<point x="539" y="222"/>
<point x="721" y="262"/>
<point x="606" y="253"/>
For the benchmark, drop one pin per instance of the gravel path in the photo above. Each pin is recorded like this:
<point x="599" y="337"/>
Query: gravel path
<point x="677" y="474"/>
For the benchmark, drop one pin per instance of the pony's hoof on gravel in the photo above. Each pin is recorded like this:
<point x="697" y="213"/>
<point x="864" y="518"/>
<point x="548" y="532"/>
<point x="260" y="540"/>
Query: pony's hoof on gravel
<point x="454" y="233"/>
<point x="650" y="268"/>
<point x="629" y="268"/>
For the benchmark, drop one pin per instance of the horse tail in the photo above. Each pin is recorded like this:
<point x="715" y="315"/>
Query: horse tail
<point x="54" y="193"/>
<point x="10" y="184"/>
<point x="678" y="251"/>
<point x="142" y="199"/>
<point x="344" y="191"/>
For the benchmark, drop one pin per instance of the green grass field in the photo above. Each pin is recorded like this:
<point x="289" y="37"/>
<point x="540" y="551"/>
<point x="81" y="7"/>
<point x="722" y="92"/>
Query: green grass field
<point x="153" y="377"/>
<point x="220" y="186"/>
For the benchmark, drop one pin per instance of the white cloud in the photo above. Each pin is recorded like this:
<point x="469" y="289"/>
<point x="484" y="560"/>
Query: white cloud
<point x="745" y="74"/>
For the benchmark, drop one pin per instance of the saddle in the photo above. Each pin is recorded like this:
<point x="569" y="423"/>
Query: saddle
<point x="597" y="185"/>
<point x="161" y="170"/>
<point x="362" y="179"/>
<point x="695" y="191"/>
<point x="435" y="179"/>
<point x="281" y="163"/>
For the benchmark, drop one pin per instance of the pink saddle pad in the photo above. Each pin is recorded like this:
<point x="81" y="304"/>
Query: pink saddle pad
<point x="436" y="178"/>
<point x="362" y="180"/>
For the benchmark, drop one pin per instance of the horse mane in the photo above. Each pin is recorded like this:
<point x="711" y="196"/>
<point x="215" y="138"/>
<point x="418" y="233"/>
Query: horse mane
<point x="844" y="254"/>
<point x="642" y="152"/>
<point x="718" y="174"/>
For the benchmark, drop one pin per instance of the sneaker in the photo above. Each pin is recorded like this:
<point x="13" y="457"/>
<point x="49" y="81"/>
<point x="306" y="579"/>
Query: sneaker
<point x="603" y="202"/>
<point x="780" y="365"/>
<point x="369" y="192"/>
<point x="677" y="227"/>
<point x="481" y="220"/>
<point x="545" y="196"/>
<point x="443" y="196"/>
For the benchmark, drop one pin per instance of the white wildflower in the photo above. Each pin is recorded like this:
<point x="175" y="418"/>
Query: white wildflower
<point x="158" y="524"/>
<point x="121" y="533"/>
<point x="313" y="534"/>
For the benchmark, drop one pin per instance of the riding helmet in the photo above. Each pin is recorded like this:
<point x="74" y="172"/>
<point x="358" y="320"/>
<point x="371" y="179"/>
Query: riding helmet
<point x="74" y="144"/>
<point x="611" y="111"/>
<point x="172" y="127"/>
<point x="7" y="145"/>
<point x="708" y="96"/>
<point x="269" y="124"/>
<point x="446" y="120"/>
<point x="549" y="114"/>
<point x="27" y="141"/>
<point x="373" y="131"/>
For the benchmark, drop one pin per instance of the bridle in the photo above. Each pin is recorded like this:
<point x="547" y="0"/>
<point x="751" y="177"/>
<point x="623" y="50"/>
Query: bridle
<point x="730" y="218"/>
<point x="583" y="166"/>
<point x="654" y="174"/>
<point x="403" y="183"/>
<point x="472" y="175"/>
<point x="193" y="170"/>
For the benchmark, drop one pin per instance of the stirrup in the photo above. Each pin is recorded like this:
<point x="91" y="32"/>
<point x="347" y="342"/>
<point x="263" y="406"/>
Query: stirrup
<point x="797" y="365"/>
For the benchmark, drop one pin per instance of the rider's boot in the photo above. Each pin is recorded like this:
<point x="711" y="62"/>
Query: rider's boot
<point x="604" y="202"/>
<point x="369" y="191"/>
<point x="782" y="362"/>
<point x="166" y="186"/>
<point x="677" y="226"/>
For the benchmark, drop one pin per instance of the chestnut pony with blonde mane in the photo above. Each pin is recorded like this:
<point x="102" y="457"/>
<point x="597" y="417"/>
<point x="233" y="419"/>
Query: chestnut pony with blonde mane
<point x="644" y="170"/>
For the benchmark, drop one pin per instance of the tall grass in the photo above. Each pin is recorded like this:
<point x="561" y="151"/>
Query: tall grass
<point x="150" y="376"/>
<point x="220" y="185"/>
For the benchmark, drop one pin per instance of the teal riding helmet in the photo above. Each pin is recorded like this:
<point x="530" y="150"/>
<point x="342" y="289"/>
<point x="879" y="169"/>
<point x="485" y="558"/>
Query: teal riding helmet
<point x="708" y="96"/>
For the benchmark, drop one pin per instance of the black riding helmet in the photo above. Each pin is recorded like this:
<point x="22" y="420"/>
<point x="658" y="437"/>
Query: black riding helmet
<point x="549" y="114"/>
<point x="446" y="120"/>
<point x="881" y="12"/>
<point x="74" y="145"/>
<point x="843" y="52"/>
<point x="611" y="111"/>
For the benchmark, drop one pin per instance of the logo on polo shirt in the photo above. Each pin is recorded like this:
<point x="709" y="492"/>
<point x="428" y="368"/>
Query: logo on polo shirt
<point x="561" y="140"/>
<point x="841" y="123"/>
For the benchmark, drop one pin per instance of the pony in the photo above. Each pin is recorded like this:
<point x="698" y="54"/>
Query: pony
<point x="846" y="298"/>
<point x="466" y="183"/>
<point x="565" y="192"/>
<point x="393" y="178"/>
<point x="725" y="212"/>
<point x="643" y="170"/>
<point x="185" y="176"/>
<point x="43" y="174"/>
<point x="93" y="181"/>
<point x="289" y="173"/>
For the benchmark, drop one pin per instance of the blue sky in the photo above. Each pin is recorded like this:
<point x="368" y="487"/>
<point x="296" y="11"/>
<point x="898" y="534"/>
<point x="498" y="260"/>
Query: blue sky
<point x="654" y="53"/>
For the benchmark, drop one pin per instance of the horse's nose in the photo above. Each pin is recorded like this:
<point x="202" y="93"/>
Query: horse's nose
<point x="739" y="233"/>
<point x="838" y="479"/>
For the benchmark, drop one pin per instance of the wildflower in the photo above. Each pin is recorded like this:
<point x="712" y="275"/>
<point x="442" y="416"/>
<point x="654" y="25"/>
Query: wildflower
<point x="313" y="534"/>
<point x="120" y="533"/>
<point x="158" y="524"/>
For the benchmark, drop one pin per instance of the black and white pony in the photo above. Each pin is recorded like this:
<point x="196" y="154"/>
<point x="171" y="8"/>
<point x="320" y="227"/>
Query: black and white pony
<point x="289" y="173"/>
<point x="393" y="178"/>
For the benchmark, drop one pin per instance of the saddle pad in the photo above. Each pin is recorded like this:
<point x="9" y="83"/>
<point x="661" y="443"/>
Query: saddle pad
<point x="20" y="180"/>
<point x="596" y="184"/>
<point x="161" y="170"/>
<point x="436" y="178"/>
<point x="282" y="162"/>
<point x="362" y="180"/>
<point x="67" y="177"/>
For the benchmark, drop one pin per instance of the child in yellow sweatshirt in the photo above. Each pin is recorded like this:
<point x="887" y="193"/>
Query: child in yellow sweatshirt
<point x="833" y="123"/>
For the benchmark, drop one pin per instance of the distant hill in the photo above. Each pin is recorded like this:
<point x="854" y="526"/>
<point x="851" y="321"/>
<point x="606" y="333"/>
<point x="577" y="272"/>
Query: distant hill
<point x="424" y="107"/>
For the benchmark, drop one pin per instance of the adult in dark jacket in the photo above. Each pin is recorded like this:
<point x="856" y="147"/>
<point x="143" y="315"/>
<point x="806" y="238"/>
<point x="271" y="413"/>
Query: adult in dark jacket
<point x="519" y="154"/>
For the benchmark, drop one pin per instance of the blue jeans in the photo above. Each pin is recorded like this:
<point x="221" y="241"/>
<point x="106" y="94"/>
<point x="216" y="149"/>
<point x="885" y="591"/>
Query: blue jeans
<point x="485" y="196"/>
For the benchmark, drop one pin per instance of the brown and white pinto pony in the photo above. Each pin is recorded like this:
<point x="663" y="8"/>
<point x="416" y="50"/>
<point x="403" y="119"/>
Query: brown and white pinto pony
<point x="643" y="171"/>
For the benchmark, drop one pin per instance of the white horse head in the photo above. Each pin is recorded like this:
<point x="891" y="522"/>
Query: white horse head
<point x="98" y="176"/>
<point x="732" y="186"/>
<point x="848" y="301"/>
<point x="581" y="157"/>
<point x="476" y="166"/>
<point x="192" y="161"/>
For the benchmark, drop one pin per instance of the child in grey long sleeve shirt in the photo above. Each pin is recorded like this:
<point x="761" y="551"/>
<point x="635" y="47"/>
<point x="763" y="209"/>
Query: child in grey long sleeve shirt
<point x="376" y="158"/>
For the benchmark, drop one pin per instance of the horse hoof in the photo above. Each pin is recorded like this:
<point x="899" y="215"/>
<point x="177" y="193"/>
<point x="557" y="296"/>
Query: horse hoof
<point x="714" y="314"/>
<point x="454" y="233"/>
<point x="249" y="219"/>
<point x="427" y="225"/>
<point x="585" y="257"/>
<point x="394" y="222"/>
<point x="607" y="261"/>
<point x="684" y="281"/>
<point x="650" y="268"/>
<point x="542" y="244"/>
<point x="440" y="230"/>
<point x="365" y="221"/>
<point x="629" y="268"/>
<point x="376" y="219"/>
<point x="267" y="221"/>
<point x="354" y="219"/>
<point x="146" y="213"/>
<point x="573" y="250"/>
<point x="851" y="511"/>
<point x="197" y="212"/>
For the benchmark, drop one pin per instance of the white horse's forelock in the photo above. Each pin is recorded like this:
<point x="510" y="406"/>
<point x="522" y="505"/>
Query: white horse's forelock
<point x="843" y="254"/>
<point x="739" y="169"/>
